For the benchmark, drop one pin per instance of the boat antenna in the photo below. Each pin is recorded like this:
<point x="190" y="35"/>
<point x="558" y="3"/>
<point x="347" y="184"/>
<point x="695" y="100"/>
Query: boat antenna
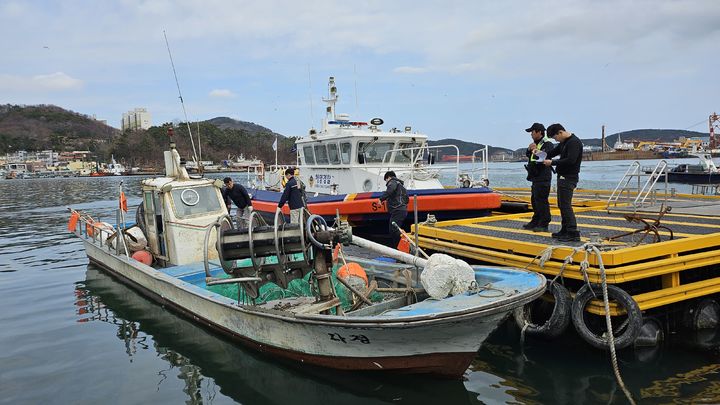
<point x="356" y="95"/>
<point x="312" y="116"/>
<point x="182" y="103"/>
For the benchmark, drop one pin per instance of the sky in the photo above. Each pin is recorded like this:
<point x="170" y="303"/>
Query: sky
<point x="476" y="70"/>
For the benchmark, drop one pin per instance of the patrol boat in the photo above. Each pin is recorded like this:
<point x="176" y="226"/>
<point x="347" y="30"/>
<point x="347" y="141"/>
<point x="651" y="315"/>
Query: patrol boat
<point x="342" y="167"/>
<point x="276" y="288"/>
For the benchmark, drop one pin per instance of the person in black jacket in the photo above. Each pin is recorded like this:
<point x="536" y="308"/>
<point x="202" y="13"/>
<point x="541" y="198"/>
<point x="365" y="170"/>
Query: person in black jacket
<point x="237" y="194"/>
<point x="541" y="178"/>
<point x="397" y="200"/>
<point x="568" y="169"/>
<point x="293" y="196"/>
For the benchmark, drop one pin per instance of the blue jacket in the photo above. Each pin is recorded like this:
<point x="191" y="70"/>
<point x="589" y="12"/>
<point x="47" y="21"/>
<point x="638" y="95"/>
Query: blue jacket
<point x="291" y="195"/>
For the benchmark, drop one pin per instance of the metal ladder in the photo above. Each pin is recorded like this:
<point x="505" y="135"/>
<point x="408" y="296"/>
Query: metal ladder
<point x="644" y="191"/>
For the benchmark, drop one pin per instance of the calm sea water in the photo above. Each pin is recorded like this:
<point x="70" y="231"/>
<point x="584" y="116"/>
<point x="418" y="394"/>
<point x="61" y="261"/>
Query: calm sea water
<point x="70" y="334"/>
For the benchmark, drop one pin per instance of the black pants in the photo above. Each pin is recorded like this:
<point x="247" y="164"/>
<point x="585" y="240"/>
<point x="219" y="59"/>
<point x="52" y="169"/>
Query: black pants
<point x="398" y="216"/>
<point x="565" y="189"/>
<point x="540" y="191"/>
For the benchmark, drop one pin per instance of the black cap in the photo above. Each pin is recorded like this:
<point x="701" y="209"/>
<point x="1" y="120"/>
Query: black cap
<point x="554" y="129"/>
<point x="536" y="127"/>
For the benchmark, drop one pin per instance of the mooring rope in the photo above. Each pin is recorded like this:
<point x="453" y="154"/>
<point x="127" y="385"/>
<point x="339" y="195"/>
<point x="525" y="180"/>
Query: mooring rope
<point x="584" y="265"/>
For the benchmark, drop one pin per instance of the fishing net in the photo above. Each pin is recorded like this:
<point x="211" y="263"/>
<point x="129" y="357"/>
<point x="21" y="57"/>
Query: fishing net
<point x="301" y="287"/>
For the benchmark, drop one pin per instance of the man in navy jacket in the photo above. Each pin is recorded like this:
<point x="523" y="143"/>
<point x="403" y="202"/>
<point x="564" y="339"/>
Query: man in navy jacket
<point x="293" y="196"/>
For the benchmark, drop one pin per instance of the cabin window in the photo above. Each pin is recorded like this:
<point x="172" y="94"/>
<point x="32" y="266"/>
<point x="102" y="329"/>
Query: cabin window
<point x="308" y="154"/>
<point x="195" y="201"/>
<point x="321" y="155"/>
<point x="333" y="155"/>
<point x="404" y="156"/>
<point x="369" y="152"/>
<point x="149" y="206"/>
<point x="345" y="149"/>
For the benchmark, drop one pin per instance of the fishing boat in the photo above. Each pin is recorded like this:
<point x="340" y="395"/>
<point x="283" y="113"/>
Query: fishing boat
<point x="705" y="172"/>
<point x="114" y="168"/>
<point x="276" y="288"/>
<point x="342" y="167"/>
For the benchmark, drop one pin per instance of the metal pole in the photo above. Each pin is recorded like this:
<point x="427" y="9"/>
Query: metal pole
<point x="417" y="247"/>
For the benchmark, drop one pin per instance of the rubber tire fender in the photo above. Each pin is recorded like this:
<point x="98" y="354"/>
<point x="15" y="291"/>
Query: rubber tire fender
<point x="617" y="294"/>
<point x="559" y="319"/>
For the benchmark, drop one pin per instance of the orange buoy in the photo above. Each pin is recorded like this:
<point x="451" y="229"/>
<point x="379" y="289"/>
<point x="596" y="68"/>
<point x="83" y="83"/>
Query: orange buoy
<point x="72" y="224"/>
<point x="353" y="269"/>
<point x="143" y="256"/>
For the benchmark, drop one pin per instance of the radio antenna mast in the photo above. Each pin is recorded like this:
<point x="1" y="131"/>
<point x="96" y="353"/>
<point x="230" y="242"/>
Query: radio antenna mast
<point x="182" y="103"/>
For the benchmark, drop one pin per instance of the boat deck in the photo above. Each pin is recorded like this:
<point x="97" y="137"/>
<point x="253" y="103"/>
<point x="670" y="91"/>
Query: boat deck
<point x="681" y="265"/>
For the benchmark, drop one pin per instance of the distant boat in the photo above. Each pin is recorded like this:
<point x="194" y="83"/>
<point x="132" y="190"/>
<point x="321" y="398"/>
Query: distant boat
<point x="704" y="173"/>
<point x="115" y="168"/>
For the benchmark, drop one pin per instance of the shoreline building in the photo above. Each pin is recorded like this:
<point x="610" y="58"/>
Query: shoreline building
<point x="138" y="118"/>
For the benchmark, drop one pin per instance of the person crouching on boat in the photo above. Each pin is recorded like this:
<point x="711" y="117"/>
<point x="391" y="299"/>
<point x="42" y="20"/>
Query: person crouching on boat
<point x="293" y="196"/>
<point x="540" y="177"/>
<point x="397" y="201"/>
<point x="236" y="193"/>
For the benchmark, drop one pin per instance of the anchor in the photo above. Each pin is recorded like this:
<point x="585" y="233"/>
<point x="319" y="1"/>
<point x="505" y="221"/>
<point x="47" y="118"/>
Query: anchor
<point x="651" y="225"/>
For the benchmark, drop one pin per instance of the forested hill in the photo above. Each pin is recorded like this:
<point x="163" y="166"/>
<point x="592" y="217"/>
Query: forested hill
<point x="465" y="148"/>
<point x="42" y="127"/>
<point x="250" y="127"/>
<point x="657" y="135"/>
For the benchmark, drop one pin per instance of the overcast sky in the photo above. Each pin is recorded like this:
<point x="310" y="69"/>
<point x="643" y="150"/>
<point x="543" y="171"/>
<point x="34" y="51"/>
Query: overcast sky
<point x="476" y="70"/>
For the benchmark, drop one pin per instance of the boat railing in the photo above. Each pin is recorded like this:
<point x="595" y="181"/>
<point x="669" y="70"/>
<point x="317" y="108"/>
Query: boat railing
<point x="423" y="164"/>
<point x="483" y="169"/>
<point x="640" y="183"/>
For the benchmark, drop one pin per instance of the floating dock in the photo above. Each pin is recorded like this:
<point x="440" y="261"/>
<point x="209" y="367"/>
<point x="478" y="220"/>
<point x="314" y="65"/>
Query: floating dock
<point x="658" y="257"/>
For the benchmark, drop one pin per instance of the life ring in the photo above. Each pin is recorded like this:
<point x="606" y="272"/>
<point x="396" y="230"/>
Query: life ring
<point x="631" y="324"/>
<point x="559" y="319"/>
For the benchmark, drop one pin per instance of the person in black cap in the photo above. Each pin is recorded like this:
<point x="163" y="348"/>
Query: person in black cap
<point x="540" y="176"/>
<point x="567" y="166"/>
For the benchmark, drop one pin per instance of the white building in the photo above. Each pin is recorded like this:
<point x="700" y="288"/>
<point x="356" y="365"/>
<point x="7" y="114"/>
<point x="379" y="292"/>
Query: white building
<point x="138" y="118"/>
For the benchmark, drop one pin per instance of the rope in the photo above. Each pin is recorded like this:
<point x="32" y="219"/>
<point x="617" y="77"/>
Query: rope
<point x="584" y="265"/>
<point x="608" y="323"/>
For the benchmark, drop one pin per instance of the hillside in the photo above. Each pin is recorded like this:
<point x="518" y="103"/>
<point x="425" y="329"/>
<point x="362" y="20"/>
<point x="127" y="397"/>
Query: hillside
<point x="249" y="127"/>
<point x="466" y="148"/>
<point x="50" y="127"/>
<point x="658" y="135"/>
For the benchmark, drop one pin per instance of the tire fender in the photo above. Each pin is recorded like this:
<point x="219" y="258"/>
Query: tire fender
<point x="559" y="319"/>
<point x="634" y="324"/>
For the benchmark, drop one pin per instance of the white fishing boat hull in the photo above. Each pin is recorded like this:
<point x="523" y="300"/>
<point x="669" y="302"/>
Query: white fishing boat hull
<point x="415" y="344"/>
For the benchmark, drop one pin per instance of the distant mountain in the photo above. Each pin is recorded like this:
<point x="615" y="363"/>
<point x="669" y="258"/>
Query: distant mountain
<point x="658" y="135"/>
<point x="466" y="148"/>
<point x="250" y="127"/>
<point x="40" y="127"/>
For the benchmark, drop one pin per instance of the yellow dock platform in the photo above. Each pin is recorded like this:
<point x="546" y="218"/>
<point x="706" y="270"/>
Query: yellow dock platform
<point x="683" y="264"/>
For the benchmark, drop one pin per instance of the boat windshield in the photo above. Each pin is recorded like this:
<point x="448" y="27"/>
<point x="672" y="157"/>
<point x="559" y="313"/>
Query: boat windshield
<point x="373" y="152"/>
<point x="195" y="201"/>
<point x="406" y="154"/>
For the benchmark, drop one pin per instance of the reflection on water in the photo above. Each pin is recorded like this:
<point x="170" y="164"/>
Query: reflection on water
<point x="90" y="339"/>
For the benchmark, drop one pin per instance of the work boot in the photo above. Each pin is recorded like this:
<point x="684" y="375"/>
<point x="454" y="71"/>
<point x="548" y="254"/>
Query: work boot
<point x="569" y="237"/>
<point x="529" y="225"/>
<point x="558" y="234"/>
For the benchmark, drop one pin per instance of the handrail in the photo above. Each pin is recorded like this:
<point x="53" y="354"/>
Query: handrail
<point x="642" y="192"/>
<point x="484" y="155"/>
<point x="416" y="161"/>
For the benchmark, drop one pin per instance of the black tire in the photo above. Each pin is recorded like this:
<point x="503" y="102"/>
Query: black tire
<point x="559" y="319"/>
<point x="629" y="324"/>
